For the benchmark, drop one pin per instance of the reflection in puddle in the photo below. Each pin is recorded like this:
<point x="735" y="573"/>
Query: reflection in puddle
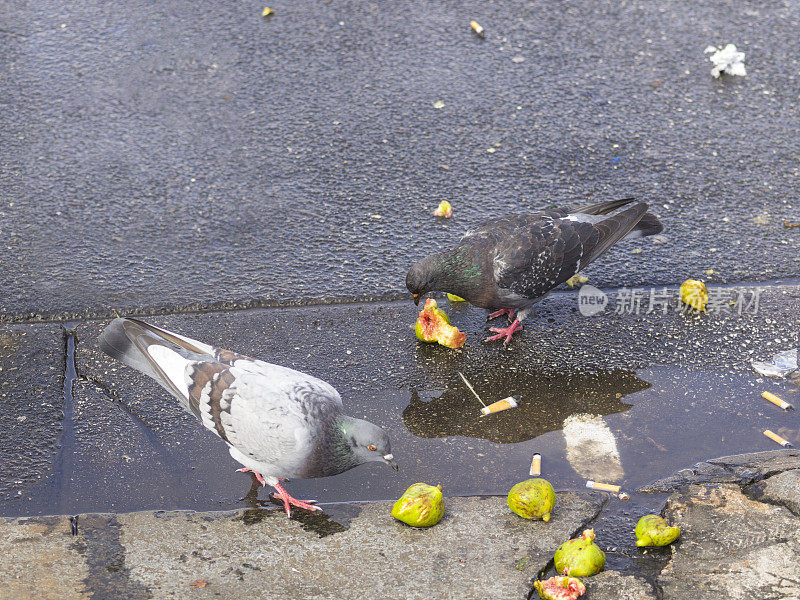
<point x="592" y="448"/>
<point x="545" y="401"/>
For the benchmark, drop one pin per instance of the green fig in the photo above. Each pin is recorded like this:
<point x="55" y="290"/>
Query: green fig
<point x="532" y="499"/>
<point x="580" y="557"/>
<point x="421" y="505"/>
<point x="652" y="530"/>
<point x="560" y="588"/>
<point x="433" y="325"/>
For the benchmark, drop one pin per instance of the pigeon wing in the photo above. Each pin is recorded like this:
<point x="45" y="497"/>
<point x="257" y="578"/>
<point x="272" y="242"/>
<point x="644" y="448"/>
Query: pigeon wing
<point x="270" y="413"/>
<point x="535" y="255"/>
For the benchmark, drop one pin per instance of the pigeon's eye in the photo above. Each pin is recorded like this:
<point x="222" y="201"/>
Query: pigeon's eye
<point x="373" y="448"/>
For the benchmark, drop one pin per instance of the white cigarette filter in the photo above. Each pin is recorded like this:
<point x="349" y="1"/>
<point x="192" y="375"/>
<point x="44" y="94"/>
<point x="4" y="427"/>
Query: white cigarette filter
<point x="503" y="404"/>
<point x="476" y="28"/>
<point x="536" y="465"/>
<point x="603" y="487"/>
<point x="777" y="401"/>
<point x="775" y="437"/>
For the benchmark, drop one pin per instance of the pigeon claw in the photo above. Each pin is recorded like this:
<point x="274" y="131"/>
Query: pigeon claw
<point x="288" y="501"/>
<point x="504" y="332"/>
<point x="257" y="475"/>
<point x="501" y="312"/>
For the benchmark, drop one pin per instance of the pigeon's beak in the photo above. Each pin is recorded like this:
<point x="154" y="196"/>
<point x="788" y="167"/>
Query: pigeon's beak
<point x="389" y="458"/>
<point x="416" y="298"/>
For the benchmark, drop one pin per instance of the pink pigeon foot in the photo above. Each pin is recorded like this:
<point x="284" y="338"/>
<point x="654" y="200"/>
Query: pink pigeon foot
<point x="257" y="475"/>
<point x="288" y="501"/>
<point x="505" y="332"/>
<point x="501" y="312"/>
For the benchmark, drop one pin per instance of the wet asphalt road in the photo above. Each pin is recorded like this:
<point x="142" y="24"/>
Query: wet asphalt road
<point x="172" y="158"/>
<point x="164" y="156"/>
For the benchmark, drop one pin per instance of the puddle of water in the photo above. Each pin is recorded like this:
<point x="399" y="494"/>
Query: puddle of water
<point x="634" y="428"/>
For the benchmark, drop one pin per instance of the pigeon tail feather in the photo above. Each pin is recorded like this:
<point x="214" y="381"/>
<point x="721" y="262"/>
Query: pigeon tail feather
<point x="156" y="352"/>
<point x="614" y="228"/>
<point x="648" y="225"/>
<point x="603" y="208"/>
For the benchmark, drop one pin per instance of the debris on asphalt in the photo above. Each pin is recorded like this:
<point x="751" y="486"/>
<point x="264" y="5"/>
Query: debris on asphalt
<point x="536" y="465"/>
<point x="559" y="587"/>
<point x="788" y="224"/>
<point x="603" y="487"/>
<point x="443" y="210"/>
<point x="777" y="401"/>
<point x="694" y="294"/>
<point x="421" y="505"/>
<point x="438" y="104"/>
<point x="623" y="496"/>
<point x="267" y="12"/>
<point x="433" y="325"/>
<point x="783" y="365"/>
<point x="477" y="28"/>
<point x="199" y="583"/>
<point x="499" y="406"/>
<point x="576" y="279"/>
<point x="726" y="60"/>
<point x="652" y="530"/>
<point x="454" y="298"/>
<point x="776" y="438"/>
<point x="472" y="389"/>
<point x="580" y="557"/>
<point x="532" y="499"/>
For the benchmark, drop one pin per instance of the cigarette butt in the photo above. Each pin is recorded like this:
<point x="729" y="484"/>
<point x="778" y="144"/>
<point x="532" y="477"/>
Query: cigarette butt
<point x="623" y="496"/>
<point x="777" y="401"/>
<point x="775" y="437"/>
<point x="476" y="27"/>
<point x="536" y="465"/>
<point x="603" y="487"/>
<point x="503" y="404"/>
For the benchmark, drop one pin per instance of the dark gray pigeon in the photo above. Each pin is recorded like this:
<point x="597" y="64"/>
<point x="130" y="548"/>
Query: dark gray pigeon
<point x="277" y="422"/>
<point x="510" y="263"/>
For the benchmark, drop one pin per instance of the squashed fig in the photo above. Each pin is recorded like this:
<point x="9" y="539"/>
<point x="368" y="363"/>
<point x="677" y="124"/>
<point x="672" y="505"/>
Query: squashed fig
<point x="652" y="530"/>
<point x="560" y="588"/>
<point x="421" y="505"/>
<point x="580" y="557"/>
<point x="433" y="325"/>
<point x="694" y="294"/>
<point x="532" y="499"/>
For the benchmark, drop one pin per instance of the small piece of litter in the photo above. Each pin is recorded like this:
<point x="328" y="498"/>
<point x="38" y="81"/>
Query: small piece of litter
<point x="518" y="59"/>
<point x="498" y="406"/>
<point x="576" y="279"/>
<point x="777" y="401"/>
<point x="267" y="12"/>
<point x="491" y="150"/>
<point x="454" y="298"/>
<point x="438" y="104"/>
<point x="603" y="487"/>
<point x="787" y="224"/>
<point x="776" y="438"/>
<point x="623" y="496"/>
<point x="199" y="583"/>
<point x="476" y="28"/>
<point x="536" y="465"/>
<point x="443" y="210"/>
<point x="726" y="60"/>
<point x="471" y="389"/>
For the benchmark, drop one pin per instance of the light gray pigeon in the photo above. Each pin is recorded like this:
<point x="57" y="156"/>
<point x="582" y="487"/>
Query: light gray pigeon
<point x="510" y="263"/>
<point x="277" y="422"/>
